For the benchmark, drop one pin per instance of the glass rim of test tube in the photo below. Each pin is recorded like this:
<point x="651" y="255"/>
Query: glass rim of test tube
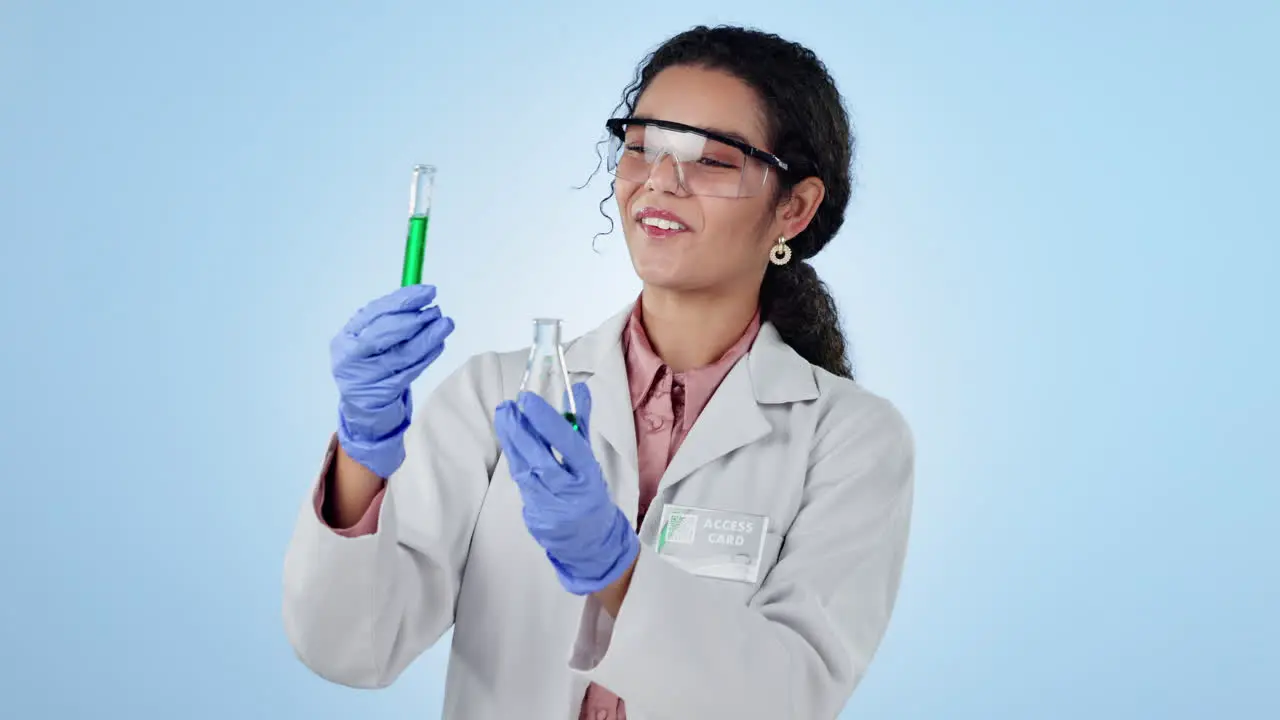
<point x="421" y="190"/>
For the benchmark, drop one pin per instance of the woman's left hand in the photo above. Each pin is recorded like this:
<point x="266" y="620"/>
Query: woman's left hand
<point x="567" y="507"/>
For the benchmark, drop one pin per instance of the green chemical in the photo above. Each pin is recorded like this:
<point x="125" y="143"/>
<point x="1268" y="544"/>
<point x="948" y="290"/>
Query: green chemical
<point x="573" y="419"/>
<point x="415" y="247"/>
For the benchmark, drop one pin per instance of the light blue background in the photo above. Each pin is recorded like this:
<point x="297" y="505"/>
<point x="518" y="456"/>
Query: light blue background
<point x="1061" y="264"/>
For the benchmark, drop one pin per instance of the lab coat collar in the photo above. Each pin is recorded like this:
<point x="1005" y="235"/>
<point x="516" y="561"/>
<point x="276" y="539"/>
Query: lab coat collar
<point x="777" y="372"/>
<point x="771" y="373"/>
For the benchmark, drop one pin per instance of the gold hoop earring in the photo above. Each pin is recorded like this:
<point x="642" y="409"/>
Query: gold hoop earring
<point x="781" y="252"/>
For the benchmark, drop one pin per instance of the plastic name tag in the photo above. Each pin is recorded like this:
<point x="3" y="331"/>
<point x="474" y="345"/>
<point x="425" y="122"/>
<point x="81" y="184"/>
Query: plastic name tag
<point x="713" y="543"/>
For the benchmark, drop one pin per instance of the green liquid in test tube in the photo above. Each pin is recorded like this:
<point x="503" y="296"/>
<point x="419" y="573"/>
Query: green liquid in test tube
<point x="415" y="245"/>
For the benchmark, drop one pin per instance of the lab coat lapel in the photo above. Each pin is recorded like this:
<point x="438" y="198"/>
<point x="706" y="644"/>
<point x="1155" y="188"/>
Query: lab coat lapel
<point x="598" y="356"/>
<point x="771" y="373"/>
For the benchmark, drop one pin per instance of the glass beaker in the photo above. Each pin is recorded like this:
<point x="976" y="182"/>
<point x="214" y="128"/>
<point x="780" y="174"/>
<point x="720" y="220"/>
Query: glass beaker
<point x="545" y="373"/>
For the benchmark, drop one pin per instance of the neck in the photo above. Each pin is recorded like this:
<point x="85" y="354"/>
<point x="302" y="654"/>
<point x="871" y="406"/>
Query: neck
<point x="690" y="330"/>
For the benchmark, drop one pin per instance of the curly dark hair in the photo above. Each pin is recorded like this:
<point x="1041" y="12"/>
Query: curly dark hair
<point x="808" y="127"/>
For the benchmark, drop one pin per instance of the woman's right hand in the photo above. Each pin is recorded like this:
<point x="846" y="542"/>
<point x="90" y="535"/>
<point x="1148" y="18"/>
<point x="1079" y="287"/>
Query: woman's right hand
<point x="383" y="348"/>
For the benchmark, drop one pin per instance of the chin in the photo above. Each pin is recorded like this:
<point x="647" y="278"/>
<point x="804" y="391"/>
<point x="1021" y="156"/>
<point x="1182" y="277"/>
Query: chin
<point x="658" y="269"/>
<point x="673" y="279"/>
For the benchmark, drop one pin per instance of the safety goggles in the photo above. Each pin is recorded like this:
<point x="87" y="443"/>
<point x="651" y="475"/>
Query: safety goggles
<point x="706" y="163"/>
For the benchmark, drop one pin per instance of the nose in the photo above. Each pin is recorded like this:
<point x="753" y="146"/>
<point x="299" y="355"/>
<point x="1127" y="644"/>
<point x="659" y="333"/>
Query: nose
<point x="664" y="179"/>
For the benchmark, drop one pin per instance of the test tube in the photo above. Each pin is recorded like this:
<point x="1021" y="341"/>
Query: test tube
<point x="415" y="245"/>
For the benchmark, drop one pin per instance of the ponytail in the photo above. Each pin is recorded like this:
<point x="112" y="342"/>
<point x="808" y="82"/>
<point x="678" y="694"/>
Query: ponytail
<point x="798" y="304"/>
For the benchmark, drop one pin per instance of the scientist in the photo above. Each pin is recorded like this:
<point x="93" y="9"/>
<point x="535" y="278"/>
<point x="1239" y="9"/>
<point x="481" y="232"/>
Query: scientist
<point x="723" y="534"/>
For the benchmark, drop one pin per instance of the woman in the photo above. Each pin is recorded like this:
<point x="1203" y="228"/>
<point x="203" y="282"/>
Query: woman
<point x="721" y="400"/>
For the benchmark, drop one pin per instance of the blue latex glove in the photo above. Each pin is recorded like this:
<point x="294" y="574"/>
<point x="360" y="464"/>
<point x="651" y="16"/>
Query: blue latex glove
<point x="567" y="507"/>
<point x="381" y="350"/>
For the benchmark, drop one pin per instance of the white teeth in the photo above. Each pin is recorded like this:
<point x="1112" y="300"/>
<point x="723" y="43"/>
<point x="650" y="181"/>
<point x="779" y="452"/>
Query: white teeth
<point x="662" y="224"/>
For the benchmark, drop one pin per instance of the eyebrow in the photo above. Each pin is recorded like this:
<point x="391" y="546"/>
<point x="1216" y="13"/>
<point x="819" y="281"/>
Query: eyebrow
<point x="719" y="131"/>
<point x="731" y="134"/>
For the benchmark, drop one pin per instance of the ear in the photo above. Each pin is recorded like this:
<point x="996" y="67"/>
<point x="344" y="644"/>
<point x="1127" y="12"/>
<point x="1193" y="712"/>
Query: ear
<point x="797" y="209"/>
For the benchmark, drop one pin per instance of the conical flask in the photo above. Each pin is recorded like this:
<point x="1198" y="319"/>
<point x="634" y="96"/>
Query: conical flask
<point x="545" y="373"/>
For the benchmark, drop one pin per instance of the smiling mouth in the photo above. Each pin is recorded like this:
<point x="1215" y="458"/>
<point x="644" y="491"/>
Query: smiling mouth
<point x="661" y="224"/>
<point x="659" y="228"/>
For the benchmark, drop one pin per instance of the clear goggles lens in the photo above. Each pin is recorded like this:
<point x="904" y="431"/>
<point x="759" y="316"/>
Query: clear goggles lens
<point x="698" y="164"/>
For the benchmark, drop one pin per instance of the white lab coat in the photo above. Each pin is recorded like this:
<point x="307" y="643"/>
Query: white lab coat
<point x="830" y="464"/>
